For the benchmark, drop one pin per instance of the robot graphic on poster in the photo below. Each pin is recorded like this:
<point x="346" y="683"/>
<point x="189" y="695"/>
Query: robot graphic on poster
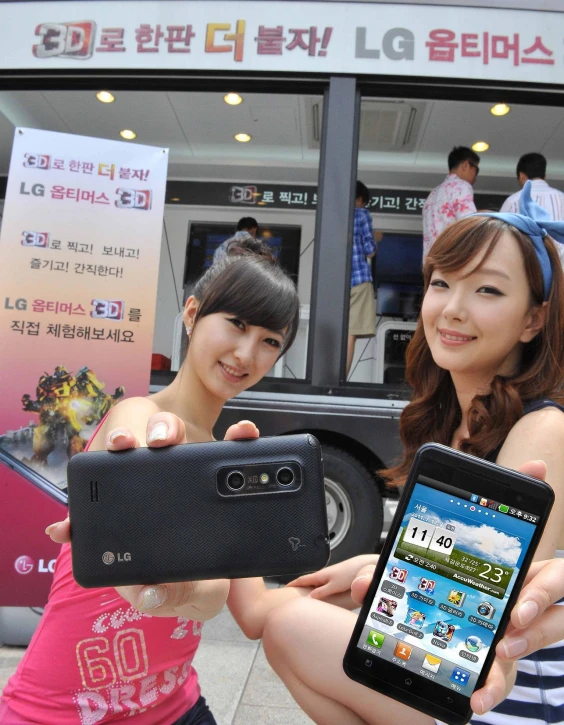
<point x="65" y="404"/>
<point x="68" y="407"/>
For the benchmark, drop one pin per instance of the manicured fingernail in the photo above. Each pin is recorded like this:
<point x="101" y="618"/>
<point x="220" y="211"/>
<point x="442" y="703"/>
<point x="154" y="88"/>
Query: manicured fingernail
<point x="116" y="434"/>
<point x="152" y="598"/>
<point x="514" y="647"/>
<point x="250" y="422"/>
<point x="51" y="527"/>
<point x="158" y="432"/>
<point x="362" y="577"/>
<point x="487" y="701"/>
<point x="526" y="612"/>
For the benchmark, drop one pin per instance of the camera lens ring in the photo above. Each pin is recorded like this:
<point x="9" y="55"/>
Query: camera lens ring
<point x="285" y="476"/>
<point x="235" y="480"/>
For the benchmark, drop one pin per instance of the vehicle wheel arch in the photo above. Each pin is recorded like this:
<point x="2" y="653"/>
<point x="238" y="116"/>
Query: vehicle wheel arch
<point x="351" y="446"/>
<point x="354" y="494"/>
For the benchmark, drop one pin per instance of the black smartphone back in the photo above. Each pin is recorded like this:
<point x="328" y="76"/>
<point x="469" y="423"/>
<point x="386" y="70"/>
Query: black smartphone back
<point x="226" y="509"/>
<point x="455" y="558"/>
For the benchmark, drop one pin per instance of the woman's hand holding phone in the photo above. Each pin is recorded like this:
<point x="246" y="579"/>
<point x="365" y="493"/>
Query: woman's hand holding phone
<point x="195" y="600"/>
<point x="535" y="621"/>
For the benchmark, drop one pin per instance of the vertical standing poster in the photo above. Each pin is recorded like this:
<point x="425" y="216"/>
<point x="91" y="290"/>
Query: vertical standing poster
<point x="80" y="249"/>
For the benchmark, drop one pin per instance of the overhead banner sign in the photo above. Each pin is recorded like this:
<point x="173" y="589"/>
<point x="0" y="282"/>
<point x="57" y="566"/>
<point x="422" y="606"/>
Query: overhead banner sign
<point x="377" y="39"/>
<point x="260" y="196"/>
<point x="80" y="250"/>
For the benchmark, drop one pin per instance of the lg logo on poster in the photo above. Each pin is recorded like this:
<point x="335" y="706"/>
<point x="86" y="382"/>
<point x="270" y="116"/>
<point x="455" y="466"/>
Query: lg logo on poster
<point x="109" y="557"/>
<point x="25" y="565"/>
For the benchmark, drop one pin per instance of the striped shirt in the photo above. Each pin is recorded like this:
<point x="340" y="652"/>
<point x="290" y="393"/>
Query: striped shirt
<point x="363" y="245"/>
<point x="538" y="695"/>
<point x="550" y="199"/>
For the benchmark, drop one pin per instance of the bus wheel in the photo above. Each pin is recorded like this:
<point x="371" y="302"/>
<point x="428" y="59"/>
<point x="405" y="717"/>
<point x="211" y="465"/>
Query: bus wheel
<point x="354" y="505"/>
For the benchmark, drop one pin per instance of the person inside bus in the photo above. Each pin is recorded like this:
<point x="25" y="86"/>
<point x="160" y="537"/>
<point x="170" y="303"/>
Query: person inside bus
<point x="362" y="317"/>
<point x="486" y="367"/>
<point x="247" y="228"/>
<point x="453" y="198"/>
<point x="533" y="167"/>
<point x="96" y="657"/>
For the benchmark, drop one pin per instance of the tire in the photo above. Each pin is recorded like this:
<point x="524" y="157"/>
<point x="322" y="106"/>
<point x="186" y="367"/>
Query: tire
<point x="354" y="505"/>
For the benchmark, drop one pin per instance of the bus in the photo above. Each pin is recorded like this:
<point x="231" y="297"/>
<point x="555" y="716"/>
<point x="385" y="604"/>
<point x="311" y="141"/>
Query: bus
<point x="273" y="110"/>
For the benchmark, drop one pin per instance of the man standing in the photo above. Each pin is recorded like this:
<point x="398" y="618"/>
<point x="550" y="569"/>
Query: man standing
<point x="454" y="198"/>
<point x="247" y="227"/>
<point x="362" y="317"/>
<point x="533" y="166"/>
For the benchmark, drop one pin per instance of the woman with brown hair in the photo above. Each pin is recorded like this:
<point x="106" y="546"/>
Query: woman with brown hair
<point x="486" y="366"/>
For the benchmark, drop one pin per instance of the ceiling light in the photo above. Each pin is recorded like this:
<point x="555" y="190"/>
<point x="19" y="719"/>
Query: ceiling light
<point x="127" y="134"/>
<point x="500" y="109"/>
<point x="242" y="137"/>
<point x="233" y="99"/>
<point x="175" y="198"/>
<point x="105" y="97"/>
<point x="480" y="146"/>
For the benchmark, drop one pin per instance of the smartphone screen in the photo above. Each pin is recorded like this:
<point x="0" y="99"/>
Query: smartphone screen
<point x="446" y="585"/>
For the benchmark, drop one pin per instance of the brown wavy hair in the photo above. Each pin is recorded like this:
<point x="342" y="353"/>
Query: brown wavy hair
<point x="434" y="412"/>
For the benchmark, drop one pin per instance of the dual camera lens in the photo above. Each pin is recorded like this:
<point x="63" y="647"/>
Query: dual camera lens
<point x="236" y="480"/>
<point x="285" y="476"/>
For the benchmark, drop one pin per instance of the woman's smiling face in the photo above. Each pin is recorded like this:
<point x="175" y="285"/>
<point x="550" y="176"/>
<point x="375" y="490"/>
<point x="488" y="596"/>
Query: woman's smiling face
<point x="476" y="319"/>
<point x="229" y="355"/>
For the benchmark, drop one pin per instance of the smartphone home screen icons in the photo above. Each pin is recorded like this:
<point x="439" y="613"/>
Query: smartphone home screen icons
<point x="375" y="639"/>
<point x="403" y="651"/>
<point x="426" y="585"/>
<point x="456" y="597"/>
<point x="460" y="676"/>
<point x="387" y="606"/>
<point x="415" y="618"/>
<point x="444" y="631"/>
<point x="486" y="610"/>
<point x="431" y="663"/>
<point x="399" y="575"/>
<point x="473" y="643"/>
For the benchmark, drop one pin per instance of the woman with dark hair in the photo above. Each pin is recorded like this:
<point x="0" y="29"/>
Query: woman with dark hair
<point x="97" y="657"/>
<point x="486" y="365"/>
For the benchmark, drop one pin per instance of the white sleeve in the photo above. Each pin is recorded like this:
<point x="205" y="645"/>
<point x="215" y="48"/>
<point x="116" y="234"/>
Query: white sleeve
<point x="510" y="205"/>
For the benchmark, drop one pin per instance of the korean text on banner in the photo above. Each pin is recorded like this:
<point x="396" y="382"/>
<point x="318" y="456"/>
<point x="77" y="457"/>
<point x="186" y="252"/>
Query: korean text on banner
<point x="380" y="38"/>
<point x="80" y="247"/>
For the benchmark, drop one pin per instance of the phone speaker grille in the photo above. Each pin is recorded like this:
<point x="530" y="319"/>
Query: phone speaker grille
<point x="94" y="491"/>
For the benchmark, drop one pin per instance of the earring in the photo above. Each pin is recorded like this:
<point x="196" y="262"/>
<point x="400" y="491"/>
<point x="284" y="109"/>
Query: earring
<point x="188" y="330"/>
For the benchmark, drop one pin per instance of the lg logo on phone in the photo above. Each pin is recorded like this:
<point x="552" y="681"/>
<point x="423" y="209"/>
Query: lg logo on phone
<point x="108" y="557"/>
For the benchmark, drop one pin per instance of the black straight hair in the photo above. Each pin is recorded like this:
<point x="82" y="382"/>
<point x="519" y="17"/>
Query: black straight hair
<point x="459" y="155"/>
<point x="533" y="165"/>
<point x="254" y="289"/>
<point x="246" y="223"/>
<point x="362" y="192"/>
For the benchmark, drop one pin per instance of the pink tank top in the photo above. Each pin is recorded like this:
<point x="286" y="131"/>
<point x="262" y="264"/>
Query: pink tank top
<point x="95" y="659"/>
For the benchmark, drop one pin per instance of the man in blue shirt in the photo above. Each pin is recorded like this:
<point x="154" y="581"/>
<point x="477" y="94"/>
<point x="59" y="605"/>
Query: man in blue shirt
<point x="362" y="319"/>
